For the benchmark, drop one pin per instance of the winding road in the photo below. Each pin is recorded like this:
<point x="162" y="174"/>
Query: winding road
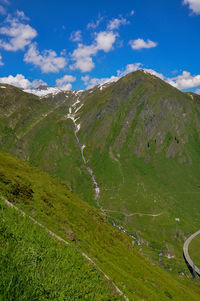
<point x="134" y="213"/>
<point x="191" y="266"/>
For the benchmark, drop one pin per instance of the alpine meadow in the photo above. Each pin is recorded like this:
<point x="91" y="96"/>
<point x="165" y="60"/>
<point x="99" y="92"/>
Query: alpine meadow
<point x="99" y="169"/>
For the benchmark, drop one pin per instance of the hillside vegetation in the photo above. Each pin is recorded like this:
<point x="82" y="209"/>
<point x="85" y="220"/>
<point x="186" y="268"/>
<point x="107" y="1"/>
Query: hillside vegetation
<point x="35" y="266"/>
<point x="32" y="257"/>
<point x="141" y="140"/>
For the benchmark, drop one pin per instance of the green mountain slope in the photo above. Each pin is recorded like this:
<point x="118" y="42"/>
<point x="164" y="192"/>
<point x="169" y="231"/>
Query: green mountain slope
<point x="141" y="140"/>
<point x="35" y="266"/>
<point x="37" y="130"/>
<point x="86" y="228"/>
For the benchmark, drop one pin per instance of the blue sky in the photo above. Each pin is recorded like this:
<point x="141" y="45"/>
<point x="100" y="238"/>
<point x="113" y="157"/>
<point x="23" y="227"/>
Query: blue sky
<point x="78" y="44"/>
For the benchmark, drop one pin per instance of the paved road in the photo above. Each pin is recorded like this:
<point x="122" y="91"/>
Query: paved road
<point x="134" y="213"/>
<point x="191" y="266"/>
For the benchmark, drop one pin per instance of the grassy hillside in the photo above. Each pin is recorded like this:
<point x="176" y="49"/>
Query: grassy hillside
<point x="142" y="143"/>
<point x="37" y="130"/>
<point x="142" y="138"/>
<point x="86" y="228"/>
<point x="35" y="266"/>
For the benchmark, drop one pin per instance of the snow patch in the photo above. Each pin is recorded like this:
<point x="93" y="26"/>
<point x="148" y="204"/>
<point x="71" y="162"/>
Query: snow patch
<point x="43" y="92"/>
<point x="2" y="87"/>
<point x="78" y="108"/>
<point x="72" y="115"/>
<point x="78" y="128"/>
<point x="76" y="102"/>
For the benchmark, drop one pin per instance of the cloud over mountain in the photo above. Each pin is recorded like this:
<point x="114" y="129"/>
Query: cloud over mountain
<point x="17" y="34"/>
<point x="140" y="44"/>
<point x="48" y="60"/>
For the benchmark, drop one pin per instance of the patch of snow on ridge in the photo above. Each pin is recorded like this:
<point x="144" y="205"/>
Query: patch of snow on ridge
<point x="2" y="87"/>
<point x="43" y="92"/>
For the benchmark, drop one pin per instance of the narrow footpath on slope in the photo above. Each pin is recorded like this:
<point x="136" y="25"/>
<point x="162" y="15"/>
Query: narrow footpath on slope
<point x="9" y="204"/>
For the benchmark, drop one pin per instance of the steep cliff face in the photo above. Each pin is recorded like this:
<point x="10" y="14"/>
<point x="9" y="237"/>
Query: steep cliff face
<point x="140" y="111"/>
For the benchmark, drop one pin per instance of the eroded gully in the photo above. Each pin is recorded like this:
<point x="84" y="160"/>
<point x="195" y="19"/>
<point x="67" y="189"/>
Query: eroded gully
<point x="73" y="110"/>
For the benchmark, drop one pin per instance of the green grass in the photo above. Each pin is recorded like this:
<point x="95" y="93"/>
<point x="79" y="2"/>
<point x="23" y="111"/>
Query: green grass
<point x="142" y="142"/>
<point x="152" y="131"/>
<point x="51" y="203"/>
<point x="35" y="266"/>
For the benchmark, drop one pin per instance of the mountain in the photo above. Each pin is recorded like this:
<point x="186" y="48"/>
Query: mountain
<point x="130" y="148"/>
<point x="37" y="266"/>
<point x="43" y="91"/>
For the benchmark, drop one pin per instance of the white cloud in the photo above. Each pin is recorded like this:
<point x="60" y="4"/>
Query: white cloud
<point x="32" y="87"/>
<point x="21" y="15"/>
<point x="116" y="23"/>
<point x="18" y="34"/>
<point x="105" y="40"/>
<point x="95" y="24"/>
<point x="91" y="82"/>
<point x="64" y="82"/>
<point x="197" y="91"/>
<point x="64" y="79"/>
<point x="47" y="60"/>
<point x="184" y="81"/>
<point x="5" y="2"/>
<point x="140" y="44"/>
<point x="194" y="5"/>
<point x="76" y="36"/>
<point x="37" y="82"/>
<point x="155" y="73"/>
<point x="132" y="12"/>
<point x="82" y="56"/>
<point x="1" y="63"/>
<point x="66" y="87"/>
<point x="20" y="81"/>
<point x="63" y="52"/>
<point x="2" y="10"/>
<point x="129" y="68"/>
<point x="85" y="79"/>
